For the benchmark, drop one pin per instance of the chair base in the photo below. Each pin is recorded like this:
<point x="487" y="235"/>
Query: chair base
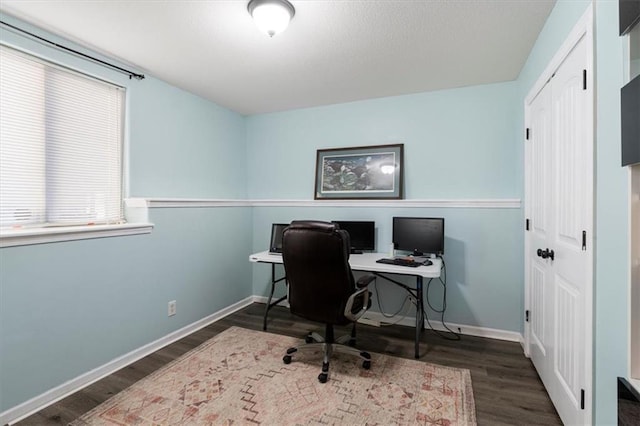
<point x="314" y="341"/>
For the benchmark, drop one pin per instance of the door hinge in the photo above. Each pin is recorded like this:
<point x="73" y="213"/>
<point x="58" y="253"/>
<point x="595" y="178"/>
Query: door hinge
<point x="527" y="133"/>
<point x="584" y="79"/>
<point x="526" y="315"/>
<point x="584" y="240"/>
<point x="582" y="399"/>
<point x="527" y="225"/>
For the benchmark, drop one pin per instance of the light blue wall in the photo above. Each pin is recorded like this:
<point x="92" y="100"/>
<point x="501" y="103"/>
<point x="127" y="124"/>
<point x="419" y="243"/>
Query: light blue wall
<point x="611" y="232"/>
<point x="67" y="308"/>
<point x="459" y="144"/>
<point x="184" y="146"/>
<point x="612" y="220"/>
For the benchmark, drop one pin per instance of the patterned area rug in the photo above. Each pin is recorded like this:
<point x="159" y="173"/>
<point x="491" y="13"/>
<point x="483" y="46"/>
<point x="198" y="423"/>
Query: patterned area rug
<point x="238" y="377"/>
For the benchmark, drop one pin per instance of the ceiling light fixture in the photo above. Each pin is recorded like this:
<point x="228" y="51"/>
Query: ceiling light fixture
<point x="271" y="16"/>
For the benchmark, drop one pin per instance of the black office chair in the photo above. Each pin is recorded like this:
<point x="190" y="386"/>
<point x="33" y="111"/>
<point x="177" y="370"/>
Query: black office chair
<point x="322" y="287"/>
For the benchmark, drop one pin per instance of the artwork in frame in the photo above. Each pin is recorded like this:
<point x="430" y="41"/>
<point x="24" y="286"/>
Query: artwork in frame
<point x="365" y="172"/>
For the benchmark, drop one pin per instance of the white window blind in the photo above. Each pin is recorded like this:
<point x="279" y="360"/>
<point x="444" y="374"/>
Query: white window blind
<point x="61" y="138"/>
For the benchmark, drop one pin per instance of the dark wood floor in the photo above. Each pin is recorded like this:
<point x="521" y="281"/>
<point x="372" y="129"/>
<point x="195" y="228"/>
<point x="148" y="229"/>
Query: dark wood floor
<point x="506" y="388"/>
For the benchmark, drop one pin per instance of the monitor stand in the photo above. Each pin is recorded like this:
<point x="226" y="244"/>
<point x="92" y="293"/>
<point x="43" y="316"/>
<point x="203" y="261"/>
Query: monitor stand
<point x="354" y="251"/>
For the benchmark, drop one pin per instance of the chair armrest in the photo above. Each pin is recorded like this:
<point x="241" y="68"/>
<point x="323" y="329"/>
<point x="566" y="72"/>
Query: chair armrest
<point x="363" y="293"/>
<point x="365" y="280"/>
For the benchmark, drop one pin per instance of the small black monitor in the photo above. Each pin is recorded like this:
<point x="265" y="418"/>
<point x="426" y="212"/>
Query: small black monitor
<point x="275" y="246"/>
<point x="361" y="233"/>
<point x="421" y="236"/>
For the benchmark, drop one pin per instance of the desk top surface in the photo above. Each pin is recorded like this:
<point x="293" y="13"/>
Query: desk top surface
<point x="366" y="262"/>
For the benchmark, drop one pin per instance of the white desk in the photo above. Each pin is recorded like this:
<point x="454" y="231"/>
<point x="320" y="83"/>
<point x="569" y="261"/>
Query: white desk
<point x="367" y="263"/>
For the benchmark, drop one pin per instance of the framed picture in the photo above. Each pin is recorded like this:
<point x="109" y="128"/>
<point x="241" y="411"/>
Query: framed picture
<point x="364" y="172"/>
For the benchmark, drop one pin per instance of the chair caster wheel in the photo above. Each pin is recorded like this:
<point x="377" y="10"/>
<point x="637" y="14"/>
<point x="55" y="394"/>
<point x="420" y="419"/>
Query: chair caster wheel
<point x="366" y="364"/>
<point x="322" y="377"/>
<point x="286" y="359"/>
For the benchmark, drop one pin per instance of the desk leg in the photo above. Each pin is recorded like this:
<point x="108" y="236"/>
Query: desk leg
<point x="273" y="288"/>
<point x="419" y="315"/>
<point x="270" y="302"/>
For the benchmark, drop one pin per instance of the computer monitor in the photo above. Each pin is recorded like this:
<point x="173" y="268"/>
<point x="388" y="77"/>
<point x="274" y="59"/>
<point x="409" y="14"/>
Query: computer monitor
<point x="361" y="233"/>
<point x="421" y="236"/>
<point x="275" y="246"/>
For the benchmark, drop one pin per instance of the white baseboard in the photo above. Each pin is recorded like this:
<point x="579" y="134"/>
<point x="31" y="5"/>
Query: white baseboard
<point x="54" y="395"/>
<point x="263" y="299"/>
<point x="523" y="343"/>
<point x="376" y="319"/>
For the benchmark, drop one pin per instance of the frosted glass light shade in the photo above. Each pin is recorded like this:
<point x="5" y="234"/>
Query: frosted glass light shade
<point x="271" y="16"/>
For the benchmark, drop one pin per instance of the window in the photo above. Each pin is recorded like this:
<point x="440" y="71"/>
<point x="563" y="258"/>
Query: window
<point x="61" y="138"/>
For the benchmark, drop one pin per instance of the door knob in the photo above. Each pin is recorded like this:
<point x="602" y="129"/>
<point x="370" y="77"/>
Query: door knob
<point x="546" y="253"/>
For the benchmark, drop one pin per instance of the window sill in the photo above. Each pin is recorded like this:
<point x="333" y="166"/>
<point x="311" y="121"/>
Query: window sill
<point x="29" y="236"/>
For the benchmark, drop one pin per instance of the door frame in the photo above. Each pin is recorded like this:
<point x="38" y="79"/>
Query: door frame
<point x="584" y="28"/>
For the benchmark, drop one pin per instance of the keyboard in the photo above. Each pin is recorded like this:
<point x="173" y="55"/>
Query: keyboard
<point x="402" y="262"/>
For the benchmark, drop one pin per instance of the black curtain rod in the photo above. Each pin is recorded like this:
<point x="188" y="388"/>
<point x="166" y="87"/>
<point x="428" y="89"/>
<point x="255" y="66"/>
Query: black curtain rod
<point x="75" y="52"/>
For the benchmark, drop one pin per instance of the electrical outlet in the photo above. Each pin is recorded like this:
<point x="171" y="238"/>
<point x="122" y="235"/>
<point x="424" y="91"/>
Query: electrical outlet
<point x="172" y="308"/>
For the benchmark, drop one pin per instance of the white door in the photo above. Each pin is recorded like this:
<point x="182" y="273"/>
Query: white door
<point x="559" y="208"/>
<point x="540" y="219"/>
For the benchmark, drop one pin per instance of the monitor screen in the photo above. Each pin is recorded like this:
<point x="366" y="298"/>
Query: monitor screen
<point x="275" y="246"/>
<point x="361" y="234"/>
<point x="420" y="235"/>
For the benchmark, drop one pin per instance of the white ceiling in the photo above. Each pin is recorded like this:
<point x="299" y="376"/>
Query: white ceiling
<point x="334" y="51"/>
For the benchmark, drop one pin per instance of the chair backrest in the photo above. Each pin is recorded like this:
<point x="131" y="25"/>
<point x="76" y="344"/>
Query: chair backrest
<point x="316" y="262"/>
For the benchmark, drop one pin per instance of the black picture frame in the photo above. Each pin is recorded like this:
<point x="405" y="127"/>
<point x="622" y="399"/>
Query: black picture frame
<point x="364" y="172"/>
